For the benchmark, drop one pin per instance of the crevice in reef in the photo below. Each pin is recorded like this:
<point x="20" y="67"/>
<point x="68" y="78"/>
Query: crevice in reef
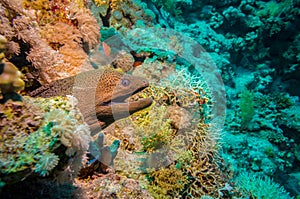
<point x="105" y="19"/>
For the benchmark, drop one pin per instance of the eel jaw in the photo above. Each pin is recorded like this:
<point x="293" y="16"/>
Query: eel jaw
<point x="118" y="110"/>
<point x="107" y="114"/>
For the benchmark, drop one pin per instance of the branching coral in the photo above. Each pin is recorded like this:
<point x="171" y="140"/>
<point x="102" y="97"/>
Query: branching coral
<point x="203" y="170"/>
<point x="167" y="182"/>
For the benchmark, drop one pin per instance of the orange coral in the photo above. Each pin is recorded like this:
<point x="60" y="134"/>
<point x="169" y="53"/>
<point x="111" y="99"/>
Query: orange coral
<point x="59" y="32"/>
<point x="86" y="24"/>
<point x="66" y="39"/>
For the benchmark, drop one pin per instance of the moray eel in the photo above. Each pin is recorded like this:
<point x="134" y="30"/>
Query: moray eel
<point x="101" y="94"/>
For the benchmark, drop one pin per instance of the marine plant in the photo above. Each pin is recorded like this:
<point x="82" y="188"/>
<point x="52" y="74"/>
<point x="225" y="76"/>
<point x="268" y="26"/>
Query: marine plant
<point x="247" y="107"/>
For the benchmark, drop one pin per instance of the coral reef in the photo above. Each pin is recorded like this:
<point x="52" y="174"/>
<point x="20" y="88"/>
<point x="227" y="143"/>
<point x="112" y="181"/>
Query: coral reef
<point x="122" y="15"/>
<point x="10" y="77"/>
<point x="169" y="141"/>
<point x="173" y="148"/>
<point x="56" y="35"/>
<point x="42" y="136"/>
<point x="255" y="44"/>
<point x="101" y="157"/>
<point x="110" y="185"/>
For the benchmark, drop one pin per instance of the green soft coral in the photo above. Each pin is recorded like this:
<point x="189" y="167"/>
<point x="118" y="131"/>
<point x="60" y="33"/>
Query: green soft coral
<point x="37" y="133"/>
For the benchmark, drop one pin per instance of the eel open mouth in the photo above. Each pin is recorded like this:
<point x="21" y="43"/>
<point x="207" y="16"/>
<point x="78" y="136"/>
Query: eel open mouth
<point x="125" y="99"/>
<point x="123" y="106"/>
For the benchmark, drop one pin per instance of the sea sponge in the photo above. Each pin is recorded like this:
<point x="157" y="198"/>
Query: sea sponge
<point x="180" y="117"/>
<point x="101" y="156"/>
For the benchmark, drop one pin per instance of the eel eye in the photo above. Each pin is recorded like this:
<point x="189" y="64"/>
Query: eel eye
<point x="125" y="82"/>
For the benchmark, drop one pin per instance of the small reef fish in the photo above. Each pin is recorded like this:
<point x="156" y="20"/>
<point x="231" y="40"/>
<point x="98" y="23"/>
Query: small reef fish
<point x="101" y="95"/>
<point x="106" y="49"/>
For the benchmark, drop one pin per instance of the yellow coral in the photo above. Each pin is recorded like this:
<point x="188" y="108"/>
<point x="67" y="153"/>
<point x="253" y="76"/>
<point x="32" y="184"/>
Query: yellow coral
<point x="10" y="77"/>
<point x="112" y="3"/>
<point x="167" y="182"/>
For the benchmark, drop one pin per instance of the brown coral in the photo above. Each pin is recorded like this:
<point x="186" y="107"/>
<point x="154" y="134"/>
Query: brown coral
<point x="181" y="118"/>
<point x="10" y="79"/>
<point x="87" y="26"/>
<point x="123" y="60"/>
<point x="206" y="178"/>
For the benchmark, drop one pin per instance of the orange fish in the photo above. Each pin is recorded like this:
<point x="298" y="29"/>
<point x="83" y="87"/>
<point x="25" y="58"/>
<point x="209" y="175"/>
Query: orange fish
<point x="106" y="49"/>
<point x="137" y="63"/>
